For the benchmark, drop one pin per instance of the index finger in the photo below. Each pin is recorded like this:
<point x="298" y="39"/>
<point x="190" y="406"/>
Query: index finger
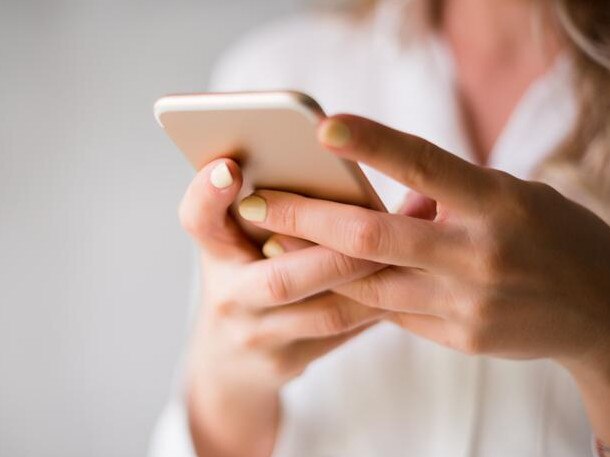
<point x="409" y="159"/>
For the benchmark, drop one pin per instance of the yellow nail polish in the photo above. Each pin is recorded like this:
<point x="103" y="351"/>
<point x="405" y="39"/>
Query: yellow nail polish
<point x="272" y="248"/>
<point x="253" y="208"/>
<point x="220" y="177"/>
<point x="335" y="133"/>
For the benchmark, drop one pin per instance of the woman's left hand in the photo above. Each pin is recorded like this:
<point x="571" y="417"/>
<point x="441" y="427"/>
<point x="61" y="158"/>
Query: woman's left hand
<point x="505" y="267"/>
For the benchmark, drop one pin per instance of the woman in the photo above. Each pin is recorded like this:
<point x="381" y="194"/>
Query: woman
<point x="477" y="322"/>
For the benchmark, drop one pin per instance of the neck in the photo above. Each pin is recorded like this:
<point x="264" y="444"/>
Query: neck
<point x="498" y="31"/>
<point x="499" y="48"/>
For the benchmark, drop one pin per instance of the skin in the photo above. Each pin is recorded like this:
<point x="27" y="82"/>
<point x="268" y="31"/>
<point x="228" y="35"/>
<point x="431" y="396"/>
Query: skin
<point x="254" y="334"/>
<point x="505" y="268"/>
<point x="496" y="59"/>
<point x="491" y="264"/>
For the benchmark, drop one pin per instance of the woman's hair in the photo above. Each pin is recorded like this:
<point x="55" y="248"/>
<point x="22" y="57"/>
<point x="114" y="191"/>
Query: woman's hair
<point x="581" y="164"/>
<point x="583" y="160"/>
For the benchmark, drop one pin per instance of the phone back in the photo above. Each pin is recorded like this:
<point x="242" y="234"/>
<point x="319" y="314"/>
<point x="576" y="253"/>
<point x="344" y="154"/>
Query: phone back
<point x="272" y="135"/>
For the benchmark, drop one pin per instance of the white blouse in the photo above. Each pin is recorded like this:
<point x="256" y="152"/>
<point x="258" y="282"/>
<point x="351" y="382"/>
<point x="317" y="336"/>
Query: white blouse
<point x="387" y="392"/>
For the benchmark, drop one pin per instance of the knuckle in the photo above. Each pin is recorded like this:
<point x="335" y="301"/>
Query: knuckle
<point x="501" y="185"/>
<point x="240" y="332"/>
<point x="421" y="246"/>
<point x="514" y="201"/>
<point x="371" y="140"/>
<point x="531" y="200"/>
<point x="494" y="251"/>
<point x="423" y="168"/>
<point x="283" y="367"/>
<point x="365" y="234"/>
<point x="277" y="284"/>
<point x="287" y="217"/>
<point x="545" y="190"/>
<point x="225" y="308"/>
<point x="369" y="292"/>
<point x="521" y="204"/>
<point x="342" y="264"/>
<point x="480" y="311"/>
<point x="473" y="343"/>
<point x="334" y="320"/>
<point x="276" y="366"/>
<point x="491" y="264"/>
<point x="247" y="338"/>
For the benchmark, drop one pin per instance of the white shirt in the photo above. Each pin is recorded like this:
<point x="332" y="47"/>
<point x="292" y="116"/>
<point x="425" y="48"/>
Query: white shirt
<point x="387" y="392"/>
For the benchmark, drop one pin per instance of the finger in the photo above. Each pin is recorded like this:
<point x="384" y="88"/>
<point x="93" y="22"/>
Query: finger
<point x="357" y="232"/>
<point x="418" y="206"/>
<point x="319" y="317"/>
<point x="409" y="159"/>
<point x="300" y="354"/>
<point x="279" y="244"/>
<point x="398" y="289"/>
<point x="204" y="213"/>
<point x="431" y="328"/>
<point x="297" y="275"/>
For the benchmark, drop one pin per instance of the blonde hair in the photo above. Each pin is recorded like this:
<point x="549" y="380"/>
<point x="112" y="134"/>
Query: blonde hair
<point x="580" y="167"/>
<point x="582" y="162"/>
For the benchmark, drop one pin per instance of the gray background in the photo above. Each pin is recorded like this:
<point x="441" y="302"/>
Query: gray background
<point x="94" y="269"/>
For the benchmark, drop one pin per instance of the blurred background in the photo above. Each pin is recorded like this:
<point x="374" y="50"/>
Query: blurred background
<point x="94" y="269"/>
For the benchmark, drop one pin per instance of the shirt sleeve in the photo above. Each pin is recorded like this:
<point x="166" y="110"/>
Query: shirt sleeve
<point x="171" y="436"/>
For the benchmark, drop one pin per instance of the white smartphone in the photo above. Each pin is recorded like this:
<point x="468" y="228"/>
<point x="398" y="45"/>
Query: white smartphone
<point x="272" y="135"/>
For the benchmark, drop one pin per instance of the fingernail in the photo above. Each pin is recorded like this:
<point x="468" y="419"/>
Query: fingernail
<point x="253" y="208"/>
<point x="220" y="177"/>
<point x="335" y="133"/>
<point x="272" y="248"/>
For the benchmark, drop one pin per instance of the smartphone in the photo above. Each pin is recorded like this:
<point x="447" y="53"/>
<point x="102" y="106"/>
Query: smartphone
<point x="272" y="135"/>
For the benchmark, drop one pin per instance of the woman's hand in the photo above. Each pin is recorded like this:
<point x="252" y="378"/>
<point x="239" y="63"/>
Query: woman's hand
<point x="505" y="267"/>
<point x="262" y="320"/>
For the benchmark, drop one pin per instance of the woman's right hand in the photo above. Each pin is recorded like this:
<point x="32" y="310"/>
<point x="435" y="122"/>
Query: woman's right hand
<point x="256" y="328"/>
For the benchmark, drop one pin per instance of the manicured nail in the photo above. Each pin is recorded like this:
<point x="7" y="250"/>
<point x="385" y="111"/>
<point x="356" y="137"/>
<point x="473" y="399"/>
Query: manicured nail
<point x="335" y="133"/>
<point x="220" y="177"/>
<point x="272" y="248"/>
<point x="253" y="208"/>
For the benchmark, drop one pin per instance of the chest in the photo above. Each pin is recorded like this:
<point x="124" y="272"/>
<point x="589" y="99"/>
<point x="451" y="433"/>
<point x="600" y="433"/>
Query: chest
<point x="488" y="95"/>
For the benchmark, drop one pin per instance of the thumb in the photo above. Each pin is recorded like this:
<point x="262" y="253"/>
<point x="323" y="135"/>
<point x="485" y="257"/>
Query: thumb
<point x="204" y="212"/>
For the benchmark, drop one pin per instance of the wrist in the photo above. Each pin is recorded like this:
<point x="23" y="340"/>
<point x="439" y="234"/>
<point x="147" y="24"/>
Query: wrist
<point x="592" y="365"/>
<point x="229" y="422"/>
<point x="591" y="373"/>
